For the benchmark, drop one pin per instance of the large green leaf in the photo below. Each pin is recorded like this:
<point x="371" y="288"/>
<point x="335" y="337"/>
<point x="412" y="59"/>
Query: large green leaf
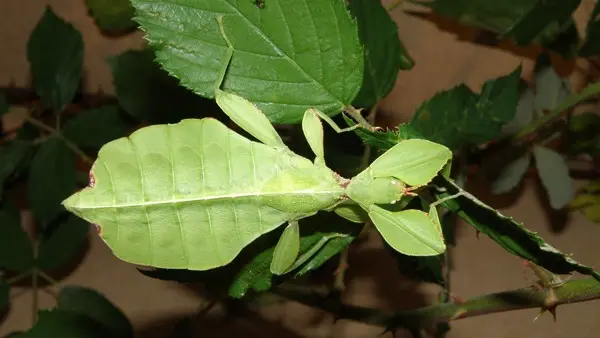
<point x="548" y="23"/>
<point x="149" y="93"/>
<point x="289" y="55"/>
<point x="591" y="45"/>
<point x="16" y="251"/>
<point x="92" y="304"/>
<point x="459" y="117"/>
<point x="55" y="53"/>
<point x="12" y="155"/>
<point x="94" y="128"/>
<point x="112" y="15"/>
<point x="65" y="324"/>
<point x="554" y="174"/>
<point x="51" y="179"/>
<point x="59" y="247"/>
<point x="509" y="234"/>
<point x="385" y="54"/>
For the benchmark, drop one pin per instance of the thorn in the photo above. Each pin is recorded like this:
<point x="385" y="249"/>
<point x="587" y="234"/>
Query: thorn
<point x="551" y="309"/>
<point x="477" y="232"/>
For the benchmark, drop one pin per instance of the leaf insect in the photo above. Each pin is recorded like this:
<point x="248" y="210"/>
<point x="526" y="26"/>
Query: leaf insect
<point x="192" y="195"/>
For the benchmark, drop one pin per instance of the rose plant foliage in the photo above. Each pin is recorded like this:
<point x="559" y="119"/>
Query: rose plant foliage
<point x="212" y="163"/>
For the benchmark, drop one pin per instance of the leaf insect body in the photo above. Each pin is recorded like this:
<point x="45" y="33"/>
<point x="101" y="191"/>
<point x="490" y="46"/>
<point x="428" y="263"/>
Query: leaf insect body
<point x="149" y="217"/>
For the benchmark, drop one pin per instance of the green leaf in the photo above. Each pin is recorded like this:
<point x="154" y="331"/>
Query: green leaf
<point x="94" y="128"/>
<point x="288" y="55"/>
<point x="459" y="117"/>
<point x="548" y="23"/>
<point x="59" y="248"/>
<point x="545" y="23"/>
<point x="12" y="154"/>
<point x="554" y="174"/>
<point x="55" y="53"/>
<point x="4" y="293"/>
<point x="509" y="234"/>
<point x="112" y="15"/>
<point x="591" y="45"/>
<point x="92" y="304"/>
<point x="149" y="93"/>
<point x="65" y="324"/>
<point x="511" y="175"/>
<point x="51" y="179"/>
<point x="551" y="89"/>
<point x="385" y="54"/>
<point x="16" y="253"/>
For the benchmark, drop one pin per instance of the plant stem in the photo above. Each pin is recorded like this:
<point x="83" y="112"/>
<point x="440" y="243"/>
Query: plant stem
<point x="55" y="132"/>
<point x="563" y="108"/>
<point x="574" y="291"/>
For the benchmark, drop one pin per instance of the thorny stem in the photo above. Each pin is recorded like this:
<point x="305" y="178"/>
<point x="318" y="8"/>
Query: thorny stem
<point x="574" y="291"/>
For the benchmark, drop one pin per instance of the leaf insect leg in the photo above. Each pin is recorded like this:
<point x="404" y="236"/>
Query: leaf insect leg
<point x="241" y="111"/>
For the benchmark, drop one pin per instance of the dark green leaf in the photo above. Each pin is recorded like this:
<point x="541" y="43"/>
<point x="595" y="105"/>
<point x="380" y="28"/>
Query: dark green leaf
<point x="554" y="174"/>
<point x="4" y="293"/>
<point x="149" y="93"/>
<point x="459" y="117"/>
<point x="12" y="155"/>
<point x="544" y="23"/>
<point x="509" y="234"/>
<point x="250" y="271"/>
<point x="62" y="244"/>
<point x="591" y="45"/>
<point x="28" y="132"/>
<point x="511" y="175"/>
<point x="94" y="128"/>
<point x="65" y="324"/>
<point x="426" y="269"/>
<point x="112" y="15"/>
<point x="92" y="304"/>
<point x="4" y="107"/>
<point x="288" y="55"/>
<point x="55" y="53"/>
<point x="547" y="22"/>
<point x="384" y="53"/>
<point x="16" y="253"/>
<point x="51" y="179"/>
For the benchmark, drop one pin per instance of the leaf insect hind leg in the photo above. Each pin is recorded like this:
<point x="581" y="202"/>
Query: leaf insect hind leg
<point x="285" y="255"/>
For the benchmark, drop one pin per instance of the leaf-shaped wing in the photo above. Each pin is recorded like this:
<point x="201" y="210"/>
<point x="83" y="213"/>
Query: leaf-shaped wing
<point x="184" y="195"/>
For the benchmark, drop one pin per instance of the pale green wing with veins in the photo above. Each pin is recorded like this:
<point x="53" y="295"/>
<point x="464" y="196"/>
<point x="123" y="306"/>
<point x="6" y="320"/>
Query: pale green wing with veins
<point x="192" y="195"/>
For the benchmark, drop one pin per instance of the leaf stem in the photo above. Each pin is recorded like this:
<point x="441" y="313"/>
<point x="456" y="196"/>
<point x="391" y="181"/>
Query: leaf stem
<point x="18" y="277"/>
<point x="574" y="291"/>
<point x="55" y="132"/>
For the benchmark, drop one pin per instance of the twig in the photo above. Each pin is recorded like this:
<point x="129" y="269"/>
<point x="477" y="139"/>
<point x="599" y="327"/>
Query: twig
<point x="24" y="96"/>
<point x="574" y="291"/>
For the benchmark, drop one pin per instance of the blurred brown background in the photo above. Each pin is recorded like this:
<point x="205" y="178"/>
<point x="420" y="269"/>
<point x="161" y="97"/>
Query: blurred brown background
<point x="445" y="57"/>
